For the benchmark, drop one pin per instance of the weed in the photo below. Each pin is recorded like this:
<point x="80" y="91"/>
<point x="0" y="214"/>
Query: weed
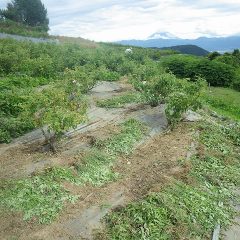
<point x="43" y="196"/>
<point x="120" y="101"/>
<point x="96" y="168"/>
<point x="193" y="210"/>
<point x="183" y="210"/>
<point x="59" y="173"/>
<point x="224" y="101"/>
<point x="123" y="143"/>
<point x="143" y="220"/>
<point x="40" y="196"/>
<point x="217" y="171"/>
<point x="105" y="206"/>
<point x="97" y="164"/>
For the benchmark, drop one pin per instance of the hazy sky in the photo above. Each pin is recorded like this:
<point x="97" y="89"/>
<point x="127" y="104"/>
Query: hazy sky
<point x="104" y="20"/>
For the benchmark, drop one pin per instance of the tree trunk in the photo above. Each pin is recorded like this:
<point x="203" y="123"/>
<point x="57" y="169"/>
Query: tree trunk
<point x="50" y="140"/>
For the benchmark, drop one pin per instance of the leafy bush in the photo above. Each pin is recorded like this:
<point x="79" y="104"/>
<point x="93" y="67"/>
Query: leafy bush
<point x="12" y="127"/>
<point x="178" y="94"/>
<point x="38" y="67"/>
<point x="25" y="66"/>
<point x="12" y="82"/>
<point x="103" y="74"/>
<point x="186" y="96"/>
<point x="215" y="73"/>
<point x="82" y="76"/>
<point x="58" y="108"/>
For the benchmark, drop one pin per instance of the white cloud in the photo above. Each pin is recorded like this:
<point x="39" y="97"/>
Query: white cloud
<point x="105" y="20"/>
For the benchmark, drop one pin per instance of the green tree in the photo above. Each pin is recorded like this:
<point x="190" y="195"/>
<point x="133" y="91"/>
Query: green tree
<point x="56" y="109"/>
<point x="28" y="12"/>
<point x="236" y="53"/>
<point x="211" y="56"/>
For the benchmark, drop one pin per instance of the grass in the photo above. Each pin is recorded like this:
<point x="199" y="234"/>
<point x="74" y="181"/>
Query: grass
<point x="97" y="164"/>
<point x="176" y="211"/>
<point x="11" y="27"/>
<point x="78" y="41"/>
<point x="224" y="101"/>
<point x="188" y="209"/>
<point x="124" y="142"/>
<point x="96" y="168"/>
<point x="121" y="101"/>
<point x="43" y="196"/>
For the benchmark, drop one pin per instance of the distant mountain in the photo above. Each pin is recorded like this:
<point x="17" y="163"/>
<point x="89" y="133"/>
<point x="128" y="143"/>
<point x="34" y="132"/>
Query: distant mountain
<point x="162" y="35"/>
<point x="210" y="44"/>
<point x="189" y="49"/>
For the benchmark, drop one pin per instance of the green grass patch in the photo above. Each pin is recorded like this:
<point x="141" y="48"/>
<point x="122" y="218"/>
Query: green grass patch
<point x="121" y="101"/>
<point x="96" y="167"/>
<point x="183" y="210"/>
<point x="179" y="210"/>
<point x="40" y="197"/>
<point x="224" y="101"/>
<point x="123" y="143"/>
<point x="217" y="171"/>
<point x="11" y="27"/>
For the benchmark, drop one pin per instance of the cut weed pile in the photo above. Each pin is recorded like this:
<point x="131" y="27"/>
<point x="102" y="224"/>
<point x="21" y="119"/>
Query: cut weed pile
<point x="43" y="196"/>
<point x="120" y="101"/>
<point x="189" y="208"/>
<point x="40" y="196"/>
<point x="98" y="162"/>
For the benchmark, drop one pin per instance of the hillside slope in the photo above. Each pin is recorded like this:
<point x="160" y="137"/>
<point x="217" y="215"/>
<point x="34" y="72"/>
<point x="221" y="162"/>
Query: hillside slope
<point x="188" y="49"/>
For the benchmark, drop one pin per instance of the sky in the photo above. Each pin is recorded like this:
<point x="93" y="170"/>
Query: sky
<point x="104" y="20"/>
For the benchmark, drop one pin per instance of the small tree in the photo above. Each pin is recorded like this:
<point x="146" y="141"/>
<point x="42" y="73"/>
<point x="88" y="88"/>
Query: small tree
<point x="28" y="12"/>
<point x="57" y="109"/>
<point x="213" y="55"/>
<point x="236" y="53"/>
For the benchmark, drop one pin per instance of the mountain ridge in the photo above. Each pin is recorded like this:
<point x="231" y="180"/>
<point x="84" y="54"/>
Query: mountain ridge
<point x="209" y="43"/>
<point x="188" y="49"/>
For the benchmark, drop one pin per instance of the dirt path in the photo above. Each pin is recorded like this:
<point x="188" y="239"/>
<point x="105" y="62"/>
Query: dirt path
<point x="151" y="166"/>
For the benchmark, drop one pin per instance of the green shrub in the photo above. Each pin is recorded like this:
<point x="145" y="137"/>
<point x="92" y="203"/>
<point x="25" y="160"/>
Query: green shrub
<point x="215" y="73"/>
<point x="103" y="74"/>
<point x="38" y="67"/>
<point x="5" y="136"/>
<point x="82" y="76"/>
<point x="178" y="94"/>
<point x="12" y="127"/>
<point x="58" y="108"/>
